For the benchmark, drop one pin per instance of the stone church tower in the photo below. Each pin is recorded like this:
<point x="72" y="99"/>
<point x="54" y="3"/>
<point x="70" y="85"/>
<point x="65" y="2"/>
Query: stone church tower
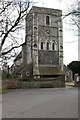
<point x="43" y="53"/>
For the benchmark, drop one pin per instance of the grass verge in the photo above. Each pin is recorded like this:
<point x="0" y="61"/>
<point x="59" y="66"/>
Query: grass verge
<point x="3" y="90"/>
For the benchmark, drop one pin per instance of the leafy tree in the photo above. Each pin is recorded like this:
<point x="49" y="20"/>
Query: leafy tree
<point x="75" y="67"/>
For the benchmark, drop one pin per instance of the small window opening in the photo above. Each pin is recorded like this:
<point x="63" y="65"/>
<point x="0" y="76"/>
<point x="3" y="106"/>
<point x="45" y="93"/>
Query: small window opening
<point x="53" y="46"/>
<point x="41" y="45"/>
<point x="47" y="20"/>
<point x="35" y="45"/>
<point x="47" y="46"/>
<point x="27" y="73"/>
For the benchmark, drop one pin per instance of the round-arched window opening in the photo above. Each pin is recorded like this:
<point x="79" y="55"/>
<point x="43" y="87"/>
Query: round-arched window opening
<point x="53" y="46"/>
<point x="61" y="47"/>
<point x="27" y="73"/>
<point x="67" y="73"/>
<point x="35" y="45"/>
<point x="47" y="31"/>
<point x="48" y="45"/>
<point x="60" y="30"/>
<point x="47" y="20"/>
<point x="35" y="27"/>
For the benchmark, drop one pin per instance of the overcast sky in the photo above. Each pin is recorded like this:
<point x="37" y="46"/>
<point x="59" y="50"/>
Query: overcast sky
<point x="70" y="38"/>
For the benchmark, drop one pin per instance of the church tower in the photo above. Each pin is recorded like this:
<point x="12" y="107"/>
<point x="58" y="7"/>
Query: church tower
<point x="44" y="43"/>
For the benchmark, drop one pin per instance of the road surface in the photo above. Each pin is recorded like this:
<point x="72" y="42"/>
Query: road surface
<point x="41" y="103"/>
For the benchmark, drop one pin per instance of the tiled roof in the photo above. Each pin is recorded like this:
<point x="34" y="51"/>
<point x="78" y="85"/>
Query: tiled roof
<point x="50" y="71"/>
<point x="19" y="56"/>
<point x="22" y="67"/>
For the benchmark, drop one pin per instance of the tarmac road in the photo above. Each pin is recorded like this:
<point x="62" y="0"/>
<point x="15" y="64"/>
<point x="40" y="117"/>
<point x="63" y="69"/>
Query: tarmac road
<point x="41" y="103"/>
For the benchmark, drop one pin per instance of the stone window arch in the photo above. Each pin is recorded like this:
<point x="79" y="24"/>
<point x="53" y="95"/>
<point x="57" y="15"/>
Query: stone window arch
<point x="54" y="45"/>
<point x="47" y="20"/>
<point x="48" y="45"/>
<point x="27" y="73"/>
<point x="41" y="45"/>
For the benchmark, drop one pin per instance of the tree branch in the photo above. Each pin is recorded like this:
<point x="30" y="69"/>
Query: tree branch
<point x="21" y="15"/>
<point x="72" y="13"/>
<point x="4" y="53"/>
<point x="4" y="8"/>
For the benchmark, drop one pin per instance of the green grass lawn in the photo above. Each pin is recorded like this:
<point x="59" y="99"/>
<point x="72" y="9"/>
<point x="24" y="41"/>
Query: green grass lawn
<point x="3" y="90"/>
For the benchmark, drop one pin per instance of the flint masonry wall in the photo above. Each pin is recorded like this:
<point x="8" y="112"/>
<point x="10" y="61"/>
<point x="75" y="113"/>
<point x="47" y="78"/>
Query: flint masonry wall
<point x="51" y="58"/>
<point x="48" y="33"/>
<point x="38" y="31"/>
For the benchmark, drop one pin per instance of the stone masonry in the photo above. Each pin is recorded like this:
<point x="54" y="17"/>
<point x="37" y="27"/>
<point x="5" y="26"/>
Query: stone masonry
<point x="44" y="42"/>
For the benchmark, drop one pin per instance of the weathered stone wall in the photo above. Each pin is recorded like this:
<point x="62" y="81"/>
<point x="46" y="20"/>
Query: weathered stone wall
<point x="55" y="82"/>
<point x="48" y="57"/>
<point x="47" y="31"/>
<point x="24" y="54"/>
<point x="50" y="11"/>
<point x="27" y="71"/>
<point x="28" y="37"/>
<point x="34" y="83"/>
<point x="38" y="31"/>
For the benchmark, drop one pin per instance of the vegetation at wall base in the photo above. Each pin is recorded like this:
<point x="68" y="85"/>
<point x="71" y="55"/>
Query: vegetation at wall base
<point x="3" y="91"/>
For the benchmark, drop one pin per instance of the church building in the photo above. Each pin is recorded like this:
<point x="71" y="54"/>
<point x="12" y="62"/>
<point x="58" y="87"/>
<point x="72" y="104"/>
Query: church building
<point x="43" y="52"/>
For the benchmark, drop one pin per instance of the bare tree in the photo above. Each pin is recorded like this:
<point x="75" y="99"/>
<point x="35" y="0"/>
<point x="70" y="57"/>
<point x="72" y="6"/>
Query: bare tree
<point x="74" y="13"/>
<point x="12" y="16"/>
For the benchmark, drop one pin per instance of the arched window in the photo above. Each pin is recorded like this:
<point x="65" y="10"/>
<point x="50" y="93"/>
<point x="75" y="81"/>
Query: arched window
<point x="47" y="45"/>
<point x="41" y="45"/>
<point x="47" y="20"/>
<point x="53" y="46"/>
